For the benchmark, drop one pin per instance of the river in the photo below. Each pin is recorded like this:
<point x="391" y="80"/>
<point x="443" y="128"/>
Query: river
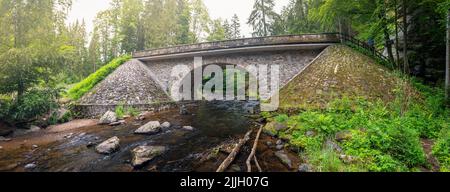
<point x="71" y="147"/>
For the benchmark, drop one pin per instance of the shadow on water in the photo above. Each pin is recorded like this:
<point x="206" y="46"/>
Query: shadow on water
<point x="213" y="122"/>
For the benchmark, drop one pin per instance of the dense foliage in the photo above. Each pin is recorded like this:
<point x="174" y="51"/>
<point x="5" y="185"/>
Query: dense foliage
<point x="377" y="136"/>
<point x="87" y="84"/>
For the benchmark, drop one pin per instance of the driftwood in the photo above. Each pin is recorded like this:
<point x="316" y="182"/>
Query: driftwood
<point x="252" y="154"/>
<point x="257" y="164"/>
<point x="227" y="162"/>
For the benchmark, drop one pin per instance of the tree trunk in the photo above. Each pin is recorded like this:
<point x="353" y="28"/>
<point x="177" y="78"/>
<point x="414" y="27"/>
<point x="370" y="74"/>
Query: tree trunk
<point x="264" y="17"/>
<point x="396" y="33"/>
<point x="447" y="66"/>
<point x="387" y="39"/>
<point x="405" y="38"/>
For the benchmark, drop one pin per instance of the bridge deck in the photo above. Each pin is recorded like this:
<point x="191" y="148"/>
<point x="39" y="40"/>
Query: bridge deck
<point x="284" y="42"/>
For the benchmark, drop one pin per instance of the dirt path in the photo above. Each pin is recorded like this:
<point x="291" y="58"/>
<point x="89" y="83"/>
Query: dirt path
<point x="427" y="145"/>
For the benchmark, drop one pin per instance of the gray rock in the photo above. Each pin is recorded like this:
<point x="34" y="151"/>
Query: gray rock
<point x="4" y="139"/>
<point x="68" y="136"/>
<point x="334" y="146"/>
<point x="346" y="159"/>
<point x="183" y="110"/>
<point x="235" y="168"/>
<point x="310" y="134"/>
<point x="109" y="146"/>
<point x="34" y="128"/>
<point x="30" y="166"/>
<point x="343" y="136"/>
<point x="283" y="157"/>
<point x="304" y="168"/>
<point x="280" y="126"/>
<point x="107" y="118"/>
<point x="165" y="125"/>
<point x="34" y="146"/>
<point x="279" y="142"/>
<point x="269" y="143"/>
<point x="279" y="147"/>
<point x="188" y="128"/>
<point x="151" y="128"/>
<point x="144" y="154"/>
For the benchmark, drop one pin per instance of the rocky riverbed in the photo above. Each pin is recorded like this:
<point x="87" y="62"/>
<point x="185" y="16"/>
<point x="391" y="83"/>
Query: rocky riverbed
<point x="197" y="139"/>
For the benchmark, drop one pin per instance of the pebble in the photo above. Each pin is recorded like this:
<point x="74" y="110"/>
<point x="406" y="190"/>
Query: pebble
<point x="269" y="143"/>
<point x="188" y="128"/>
<point x="30" y="166"/>
<point x="279" y="142"/>
<point x="303" y="168"/>
<point x="68" y="136"/>
<point x="280" y="147"/>
<point x="34" y="146"/>
<point x="1" y="147"/>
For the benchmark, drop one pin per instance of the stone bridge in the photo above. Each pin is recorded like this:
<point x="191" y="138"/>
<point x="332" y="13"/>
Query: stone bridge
<point x="146" y="79"/>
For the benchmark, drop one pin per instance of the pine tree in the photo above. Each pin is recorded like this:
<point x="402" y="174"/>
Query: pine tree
<point x="235" y="27"/>
<point x="262" y="17"/>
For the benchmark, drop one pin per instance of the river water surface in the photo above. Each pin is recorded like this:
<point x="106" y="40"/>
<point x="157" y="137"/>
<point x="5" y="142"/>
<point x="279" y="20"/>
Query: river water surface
<point x="218" y="126"/>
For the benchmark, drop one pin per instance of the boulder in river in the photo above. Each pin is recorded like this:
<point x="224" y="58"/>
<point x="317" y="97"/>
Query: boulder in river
<point x="144" y="154"/>
<point x="109" y="146"/>
<point x="108" y="118"/>
<point x="166" y="125"/>
<point x="284" y="158"/>
<point x="151" y="128"/>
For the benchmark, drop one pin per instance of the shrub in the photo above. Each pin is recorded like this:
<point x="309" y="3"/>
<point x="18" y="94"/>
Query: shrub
<point x="281" y="118"/>
<point x="5" y="105"/>
<point x="87" y="84"/>
<point x="441" y="150"/>
<point x="132" y="112"/>
<point x="34" y="103"/>
<point x="120" y="111"/>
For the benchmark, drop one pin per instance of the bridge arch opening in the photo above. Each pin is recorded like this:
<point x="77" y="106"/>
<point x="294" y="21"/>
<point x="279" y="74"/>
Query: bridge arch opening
<point x="226" y="81"/>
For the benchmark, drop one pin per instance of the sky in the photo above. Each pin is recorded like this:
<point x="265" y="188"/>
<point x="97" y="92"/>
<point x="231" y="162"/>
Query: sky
<point x="225" y="9"/>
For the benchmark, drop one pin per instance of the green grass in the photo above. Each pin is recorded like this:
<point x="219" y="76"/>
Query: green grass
<point x="382" y="139"/>
<point x="77" y="91"/>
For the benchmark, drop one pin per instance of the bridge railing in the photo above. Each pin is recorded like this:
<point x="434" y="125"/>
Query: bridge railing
<point x="366" y="48"/>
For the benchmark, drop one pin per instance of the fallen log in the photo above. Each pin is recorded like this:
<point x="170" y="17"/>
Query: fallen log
<point x="252" y="154"/>
<point x="257" y="164"/>
<point x="227" y="162"/>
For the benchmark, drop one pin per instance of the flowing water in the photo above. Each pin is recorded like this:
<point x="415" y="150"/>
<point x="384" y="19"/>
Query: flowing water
<point x="215" y="124"/>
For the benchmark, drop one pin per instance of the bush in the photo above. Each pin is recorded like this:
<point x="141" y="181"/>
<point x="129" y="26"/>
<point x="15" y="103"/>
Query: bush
<point x="34" y="103"/>
<point x="441" y="150"/>
<point x="120" y="111"/>
<point x="5" y="105"/>
<point x="87" y="84"/>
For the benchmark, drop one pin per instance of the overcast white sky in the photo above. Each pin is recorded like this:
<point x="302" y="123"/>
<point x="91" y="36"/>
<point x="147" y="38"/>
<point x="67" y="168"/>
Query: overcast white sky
<point x="87" y="10"/>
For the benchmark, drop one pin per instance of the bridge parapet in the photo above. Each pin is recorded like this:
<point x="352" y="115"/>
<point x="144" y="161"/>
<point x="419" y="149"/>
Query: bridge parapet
<point x="241" y="43"/>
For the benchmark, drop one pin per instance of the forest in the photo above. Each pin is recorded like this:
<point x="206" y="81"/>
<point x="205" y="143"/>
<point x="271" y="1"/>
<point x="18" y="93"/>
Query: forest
<point x="43" y="57"/>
